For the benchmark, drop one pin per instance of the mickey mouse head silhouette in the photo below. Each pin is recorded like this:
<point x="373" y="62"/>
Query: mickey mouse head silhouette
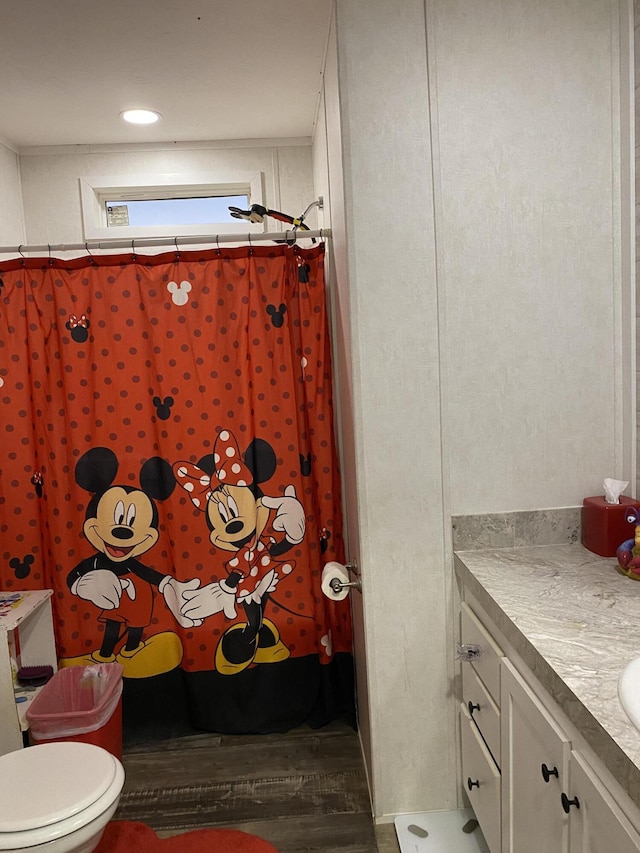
<point x="179" y="292"/>
<point x="305" y="464"/>
<point x="277" y="314"/>
<point x="163" y="407"/>
<point x="22" y="568"/>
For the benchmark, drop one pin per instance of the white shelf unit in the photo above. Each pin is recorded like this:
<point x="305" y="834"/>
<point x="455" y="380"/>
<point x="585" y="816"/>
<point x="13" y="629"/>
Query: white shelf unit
<point x="26" y="633"/>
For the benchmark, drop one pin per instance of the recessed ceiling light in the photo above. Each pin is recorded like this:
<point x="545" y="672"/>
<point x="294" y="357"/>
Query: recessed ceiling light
<point x="140" y="116"/>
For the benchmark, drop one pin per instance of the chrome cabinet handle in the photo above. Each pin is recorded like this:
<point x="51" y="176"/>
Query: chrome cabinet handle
<point x="548" y="773"/>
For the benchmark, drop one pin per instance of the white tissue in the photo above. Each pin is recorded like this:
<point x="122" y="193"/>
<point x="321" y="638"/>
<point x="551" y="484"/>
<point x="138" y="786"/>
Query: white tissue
<point x="613" y="489"/>
<point x="331" y="573"/>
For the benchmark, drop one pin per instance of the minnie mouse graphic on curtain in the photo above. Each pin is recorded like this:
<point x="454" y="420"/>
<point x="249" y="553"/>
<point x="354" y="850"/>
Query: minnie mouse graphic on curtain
<point x="225" y="486"/>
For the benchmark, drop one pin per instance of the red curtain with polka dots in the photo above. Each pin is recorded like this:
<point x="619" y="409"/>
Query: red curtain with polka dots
<point x="169" y="470"/>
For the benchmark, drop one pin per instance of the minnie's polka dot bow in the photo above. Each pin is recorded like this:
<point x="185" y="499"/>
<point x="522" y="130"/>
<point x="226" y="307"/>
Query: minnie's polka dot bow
<point x="78" y="321"/>
<point x="230" y="469"/>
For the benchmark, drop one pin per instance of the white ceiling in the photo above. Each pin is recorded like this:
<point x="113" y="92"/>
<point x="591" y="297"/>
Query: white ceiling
<point x="215" y="69"/>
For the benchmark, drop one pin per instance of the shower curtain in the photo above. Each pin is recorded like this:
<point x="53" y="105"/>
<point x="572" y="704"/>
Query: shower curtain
<point x="168" y="468"/>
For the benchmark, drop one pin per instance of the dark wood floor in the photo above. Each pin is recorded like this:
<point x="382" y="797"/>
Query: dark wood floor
<point x="304" y="791"/>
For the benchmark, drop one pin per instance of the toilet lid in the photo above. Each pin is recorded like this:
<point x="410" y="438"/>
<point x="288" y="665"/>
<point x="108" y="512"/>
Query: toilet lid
<point x="43" y="784"/>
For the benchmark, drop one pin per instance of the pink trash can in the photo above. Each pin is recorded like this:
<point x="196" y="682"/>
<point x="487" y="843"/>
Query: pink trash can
<point x="80" y="703"/>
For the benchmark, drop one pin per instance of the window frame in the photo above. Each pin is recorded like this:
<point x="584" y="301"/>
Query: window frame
<point x="96" y="190"/>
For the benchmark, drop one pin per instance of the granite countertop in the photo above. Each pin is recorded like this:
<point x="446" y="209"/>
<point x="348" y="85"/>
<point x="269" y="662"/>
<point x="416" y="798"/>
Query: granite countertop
<point x="575" y="621"/>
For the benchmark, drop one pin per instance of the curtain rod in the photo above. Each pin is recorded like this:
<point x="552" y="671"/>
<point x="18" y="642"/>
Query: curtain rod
<point x="291" y="236"/>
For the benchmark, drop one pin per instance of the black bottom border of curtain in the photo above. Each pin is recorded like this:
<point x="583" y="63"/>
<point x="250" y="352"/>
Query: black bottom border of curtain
<point x="265" y="699"/>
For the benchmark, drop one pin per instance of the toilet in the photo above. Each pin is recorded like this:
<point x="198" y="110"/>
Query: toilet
<point x="57" y="797"/>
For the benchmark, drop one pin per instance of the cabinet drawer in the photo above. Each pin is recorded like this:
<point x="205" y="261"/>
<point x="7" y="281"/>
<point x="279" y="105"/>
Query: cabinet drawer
<point x="487" y="716"/>
<point x="481" y="779"/>
<point x="487" y="664"/>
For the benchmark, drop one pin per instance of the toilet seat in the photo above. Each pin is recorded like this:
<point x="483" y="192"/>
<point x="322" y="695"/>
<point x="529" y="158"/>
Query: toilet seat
<point x="52" y="789"/>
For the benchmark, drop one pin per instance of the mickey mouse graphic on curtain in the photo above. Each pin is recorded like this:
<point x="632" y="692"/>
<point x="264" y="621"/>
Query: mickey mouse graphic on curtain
<point x="121" y="523"/>
<point x="226" y="487"/>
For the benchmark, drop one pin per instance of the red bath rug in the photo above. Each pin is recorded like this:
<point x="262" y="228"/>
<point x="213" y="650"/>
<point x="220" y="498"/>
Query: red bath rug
<point x="124" y="836"/>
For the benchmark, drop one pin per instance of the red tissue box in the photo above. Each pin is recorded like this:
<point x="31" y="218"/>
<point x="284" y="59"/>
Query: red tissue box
<point x="605" y="526"/>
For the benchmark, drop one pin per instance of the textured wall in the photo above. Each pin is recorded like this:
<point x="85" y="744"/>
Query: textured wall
<point x="11" y="216"/>
<point x="530" y="250"/>
<point x="52" y="197"/>
<point x="393" y="310"/>
<point x="483" y="184"/>
<point x="329" y="182"/>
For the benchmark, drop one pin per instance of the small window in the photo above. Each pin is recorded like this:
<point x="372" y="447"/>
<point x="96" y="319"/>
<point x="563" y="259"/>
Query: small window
<point x="133" y="206"/>
<point x="173" y="211"/>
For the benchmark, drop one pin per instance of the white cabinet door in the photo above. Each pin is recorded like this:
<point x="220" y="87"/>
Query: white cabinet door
<point x="598" y="824"/>
<point x="535" y="758"/>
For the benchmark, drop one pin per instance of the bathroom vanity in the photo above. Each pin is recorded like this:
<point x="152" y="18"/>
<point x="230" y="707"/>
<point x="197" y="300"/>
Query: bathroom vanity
<point x="550" y="761"/>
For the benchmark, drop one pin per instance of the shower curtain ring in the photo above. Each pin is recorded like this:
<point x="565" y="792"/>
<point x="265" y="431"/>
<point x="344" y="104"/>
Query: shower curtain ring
<point x="133" y="251"/>
<point x="250" y="245"/>
<point x="218" y="244"/>
<point x="21" y="255"/>
<point x="175" y="240"/>
<point x="50" y="258"/>
<point x="86" y="248"/>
